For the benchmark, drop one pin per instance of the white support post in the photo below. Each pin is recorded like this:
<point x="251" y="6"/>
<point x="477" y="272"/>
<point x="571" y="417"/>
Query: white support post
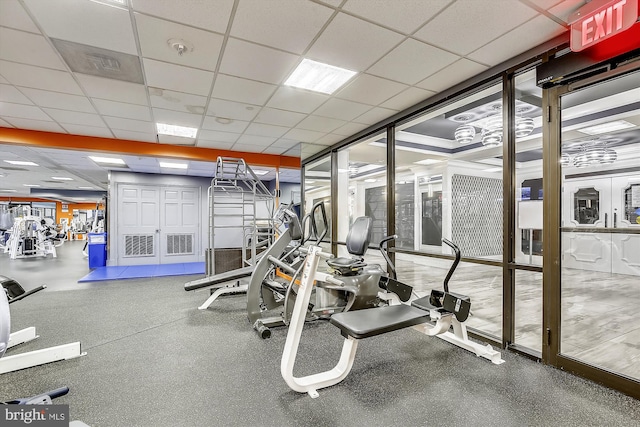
<point x="22" y="336"/>
<point x="223" y="291"/>
<point x="311" y="383"/>
<point x="40" y="357"/>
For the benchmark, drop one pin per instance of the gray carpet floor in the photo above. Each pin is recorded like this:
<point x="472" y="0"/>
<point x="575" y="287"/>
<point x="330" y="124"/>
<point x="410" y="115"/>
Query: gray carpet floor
<point x="154" y="359"/>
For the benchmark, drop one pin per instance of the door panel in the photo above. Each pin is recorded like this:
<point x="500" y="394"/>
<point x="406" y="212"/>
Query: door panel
<point x="138" y="225"/>
<point x="179" y="226"/>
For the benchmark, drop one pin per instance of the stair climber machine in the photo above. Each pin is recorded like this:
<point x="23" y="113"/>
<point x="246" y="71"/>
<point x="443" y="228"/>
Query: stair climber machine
<point x="274" y="286"/>
<point x="433" y="315"/>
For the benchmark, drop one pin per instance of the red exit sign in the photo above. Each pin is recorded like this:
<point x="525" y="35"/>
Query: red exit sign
<point x="599" y="20"/>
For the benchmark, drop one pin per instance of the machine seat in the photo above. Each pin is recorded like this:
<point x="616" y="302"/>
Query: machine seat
<point x="379" y="320"/>
<point x="228" y="276"/>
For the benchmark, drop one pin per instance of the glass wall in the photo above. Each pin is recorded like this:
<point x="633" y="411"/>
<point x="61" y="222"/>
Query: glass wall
<point x="448" y="184"/>
<point x="600" y="225"/>
<point x="528" y="211"/>
<point x="317" y="188"/>
<point x="362" y="181"/>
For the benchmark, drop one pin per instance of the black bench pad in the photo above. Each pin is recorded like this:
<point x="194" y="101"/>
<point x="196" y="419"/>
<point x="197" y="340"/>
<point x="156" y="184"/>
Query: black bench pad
<point x="375" y="321"/>
<point x="227" y="276"/>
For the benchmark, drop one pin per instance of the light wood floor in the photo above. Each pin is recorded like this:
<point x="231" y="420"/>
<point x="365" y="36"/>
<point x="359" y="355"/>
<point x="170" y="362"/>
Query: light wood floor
<point x="599" y="324"/>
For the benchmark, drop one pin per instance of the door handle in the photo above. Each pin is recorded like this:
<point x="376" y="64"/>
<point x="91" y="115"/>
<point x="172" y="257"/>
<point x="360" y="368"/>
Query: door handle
<point x="606" y="218"/>
<point x="615" y="219"/>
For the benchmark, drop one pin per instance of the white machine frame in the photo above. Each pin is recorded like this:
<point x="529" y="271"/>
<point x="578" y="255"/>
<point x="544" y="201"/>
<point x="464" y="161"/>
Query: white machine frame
<point x="312" y="383"/>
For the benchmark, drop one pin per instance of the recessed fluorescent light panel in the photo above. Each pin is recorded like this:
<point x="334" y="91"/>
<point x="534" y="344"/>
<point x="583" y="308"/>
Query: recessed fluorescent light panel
<point x="62" y="178"/>
<point x="319" y="77"/>
<point x="607" y="127"/>
<point x="86" y="188"/>
<point x="175" y="130"/>
<point x="8" y="191"/>
<point x="31" y="185"/>
<point x="260" y="172"/>
<point x="107" y="160"/>
<point x="21" y="163"/>
<point x="173" y="165"/>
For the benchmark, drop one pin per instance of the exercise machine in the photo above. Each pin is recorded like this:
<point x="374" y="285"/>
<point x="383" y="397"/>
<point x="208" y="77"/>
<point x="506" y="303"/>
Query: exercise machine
<point x="240" y="207"/>
<point x="273" y="289"/>
<point x="433" y="315"/>
<point x="11" y="292"/>
<point x="32" y="236"/>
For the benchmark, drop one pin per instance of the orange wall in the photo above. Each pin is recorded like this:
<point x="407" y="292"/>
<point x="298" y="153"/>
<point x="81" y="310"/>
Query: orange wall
<point x="59" y="213"/>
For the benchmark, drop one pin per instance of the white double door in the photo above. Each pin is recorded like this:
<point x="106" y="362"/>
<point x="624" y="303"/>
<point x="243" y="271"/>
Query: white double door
<point x="598" y="236"/>
<point x="157" y="225"/>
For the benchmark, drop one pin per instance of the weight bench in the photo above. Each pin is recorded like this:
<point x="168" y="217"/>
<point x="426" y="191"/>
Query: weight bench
<point x="360" y="324"/>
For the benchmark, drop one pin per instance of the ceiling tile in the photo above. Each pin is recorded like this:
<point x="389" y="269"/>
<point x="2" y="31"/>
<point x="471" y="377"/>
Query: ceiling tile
<point x="134" y="136"/>
<point x="303" y="135"/>
<point x="369" y="89"/>
<point x="232" y="110"/>
<point x="352" y="43"/>
<point x="120" y="109"/>
<point x="341" y="109"/>
<point x="269" y="23"/>
<point x="224" y="124"/>
<point x="350" y="129"/>
<point x="262" y="141"/>
<point x="11" y="94"/>
<point x="248" y="60"/>
<point x="374" y="115"/>
<point x="329" y="139"/>
<point x="266" y="130"/>
<point x="274" y="150"/>
<point x="177" y="101"/>
<point x="74" y="117"/>
<point x="405" y="16"/>
<point x="110" y="27"/>
<point x="5" y="124"/>
<point x="30" y="124"/>
<point x="3" y="80"/>
<point x="176" y="140"/>
<point x="115" y="90"/>
<point x="132" y="125"/>
<point x="39" y="78"/>
<point x="22" y="111"/>
<point x="13" y="15"/>
<point x="202" y="47"/>
<point x="308" y="150"/>
<point x="177" y="118"/>
<point x="411" y="62"/>
<point x="531" y="34"/>
<point x="210" y="15"/>
<point x="565" y="9"/>
<point x="62" y="101"/>
<point x="177" y="77"/>
<point x="475" y="24"/>
<point x="248" y="148"/>
<point x="320" y="124"/>
<point x="285" y="143"/>
<point x="217" y="136"/>
<point x="452" y="75"/>
<point x="292" y="99"/>
<point x="279" y="117"/>
<point x="242" y="90"/>
<point x="407" y="98"/>
<point x="27" y="48"/>
<point x="204" y="143"/>
<point x="87" y="131"/>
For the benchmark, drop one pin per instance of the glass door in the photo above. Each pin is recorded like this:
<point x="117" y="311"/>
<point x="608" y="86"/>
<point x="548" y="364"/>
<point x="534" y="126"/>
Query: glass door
<point x="599" y="243"/>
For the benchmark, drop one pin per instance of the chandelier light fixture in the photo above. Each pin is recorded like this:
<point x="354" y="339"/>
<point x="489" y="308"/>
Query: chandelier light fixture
<point x="590" y="153"/>
<point x="464" y="133"/>
<point x="492" y="131"/>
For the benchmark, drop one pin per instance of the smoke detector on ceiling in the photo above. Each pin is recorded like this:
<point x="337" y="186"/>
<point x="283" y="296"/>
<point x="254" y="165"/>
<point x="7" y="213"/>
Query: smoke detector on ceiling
<point x="180" y="46"/>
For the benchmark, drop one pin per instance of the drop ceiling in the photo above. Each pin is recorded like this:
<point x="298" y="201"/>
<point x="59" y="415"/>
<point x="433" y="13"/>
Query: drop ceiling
<point x="228" y="82"/>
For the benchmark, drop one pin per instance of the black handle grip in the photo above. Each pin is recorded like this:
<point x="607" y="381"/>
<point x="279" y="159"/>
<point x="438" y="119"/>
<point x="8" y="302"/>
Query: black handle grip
<point x="26" y="294"/>
<point x="383" y="251"/>
<point x="456" y="250"/>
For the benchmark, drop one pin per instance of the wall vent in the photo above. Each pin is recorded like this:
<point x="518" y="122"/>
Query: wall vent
<point x="179" y="244"/>
<point x="138" y="245"/>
